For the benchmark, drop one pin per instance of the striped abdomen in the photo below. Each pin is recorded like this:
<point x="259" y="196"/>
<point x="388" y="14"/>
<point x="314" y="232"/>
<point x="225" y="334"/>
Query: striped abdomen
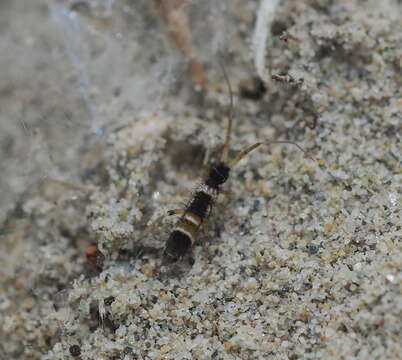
<point x="186" y="230"/>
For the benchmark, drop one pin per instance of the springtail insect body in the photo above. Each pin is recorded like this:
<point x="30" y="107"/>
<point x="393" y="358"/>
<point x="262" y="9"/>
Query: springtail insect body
<point x="185" y="232"/>
<point x="199" y="207"/>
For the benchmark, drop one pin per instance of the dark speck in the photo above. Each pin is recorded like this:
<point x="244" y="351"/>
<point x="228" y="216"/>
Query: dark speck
<point x="256" y="205"/>
<point x="278" y="27"/>
<point x="108" y="301"/>
<point x="82" y="7"/>
<point x="75" y="350"/>
<point x="127" y="350"/>
<point x="117" y="92"/>
<point x="312" y="249"/>
<point x="390" y="131"/>
<point x="253" y="89"/>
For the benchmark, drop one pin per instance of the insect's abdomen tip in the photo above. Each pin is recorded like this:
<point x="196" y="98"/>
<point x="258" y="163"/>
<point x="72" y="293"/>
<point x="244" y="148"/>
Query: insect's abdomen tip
<point x="177" y="246"/>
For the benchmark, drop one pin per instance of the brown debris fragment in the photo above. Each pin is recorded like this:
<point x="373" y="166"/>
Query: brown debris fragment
<point x="172" y="13"/>
<point x="286" y="78"/>
<point x="285" y="36"/>
<point x="94" y="258"/>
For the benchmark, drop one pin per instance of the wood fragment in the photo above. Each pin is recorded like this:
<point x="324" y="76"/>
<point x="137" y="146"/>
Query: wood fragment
<point x="173" y="15"/>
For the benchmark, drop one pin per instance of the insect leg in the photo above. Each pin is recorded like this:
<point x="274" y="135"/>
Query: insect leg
<point x="159" y="219"/>
<point x="176" y="212"/>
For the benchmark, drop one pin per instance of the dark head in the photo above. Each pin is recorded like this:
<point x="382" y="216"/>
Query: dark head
<point x="176" y="246"/>
<point x="218" y="174"/>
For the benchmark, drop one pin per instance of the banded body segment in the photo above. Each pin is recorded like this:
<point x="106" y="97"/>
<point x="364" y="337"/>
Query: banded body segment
<point x="200" y="204"/>
<point x="177" y="244"/>
<point x="183" y="236"/>
<point x="194" y="219"/>
<point x="186" y="230"/>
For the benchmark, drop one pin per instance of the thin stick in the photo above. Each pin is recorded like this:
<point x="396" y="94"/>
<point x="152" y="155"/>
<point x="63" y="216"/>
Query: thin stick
<point x="225" y="150"/>
<point x="82" y="188"/>
<point x="265" y="16"/>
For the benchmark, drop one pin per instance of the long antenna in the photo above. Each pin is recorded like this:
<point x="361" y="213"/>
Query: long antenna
<point x="244" y="152"/>
<point x="225" y="150"/>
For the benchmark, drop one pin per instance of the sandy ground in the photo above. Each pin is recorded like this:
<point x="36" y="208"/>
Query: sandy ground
<point x="106" y="123"/>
